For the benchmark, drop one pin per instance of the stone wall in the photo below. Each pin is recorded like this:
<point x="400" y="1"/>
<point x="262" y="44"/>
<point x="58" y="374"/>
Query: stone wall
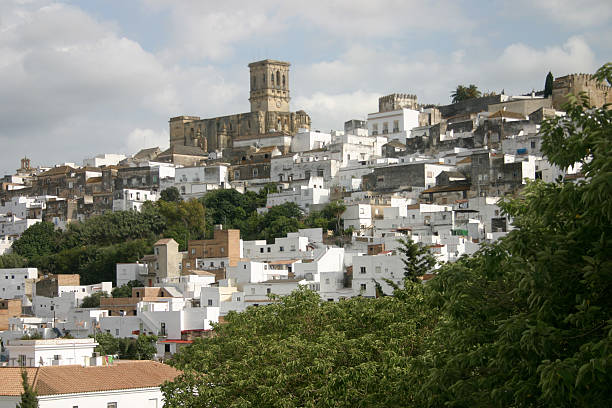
<point x="598" y="93"/>
<point x="469" y="106"/>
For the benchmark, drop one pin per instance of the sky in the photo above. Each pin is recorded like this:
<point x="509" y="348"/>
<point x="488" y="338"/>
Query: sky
<point x="80" y="78"/>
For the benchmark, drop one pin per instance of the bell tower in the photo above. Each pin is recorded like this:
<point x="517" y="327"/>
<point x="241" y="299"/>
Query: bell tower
<point x="269" y="86"/>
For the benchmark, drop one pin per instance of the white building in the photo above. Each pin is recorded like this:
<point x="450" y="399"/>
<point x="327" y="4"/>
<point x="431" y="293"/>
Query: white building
<point x="127" y="272"/>
<point x="306" y="140"/>
<point x="193" y="182"/>
<point x="13" y="281"/>
<point x="133" y="199"/>
<point x="395" y="125"/>
<point x="368" y="270"/>
<point x="304" y="196"/>
<point x="35" y="353"/>
<point x="105" y="159"/>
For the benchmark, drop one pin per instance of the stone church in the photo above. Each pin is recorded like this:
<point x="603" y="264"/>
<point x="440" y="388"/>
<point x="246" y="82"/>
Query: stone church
<point x="269" y="113"/>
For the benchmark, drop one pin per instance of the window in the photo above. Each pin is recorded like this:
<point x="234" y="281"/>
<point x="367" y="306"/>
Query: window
<point x="533" y="144"/>
<point x="377" y="269"/>
<point x="255" y="172"/>
<point x="222" y="263"/>
<point x="22" y="360"/>
<point x="236" y="174"/>
<point x="319" y="172"/>
<point x="192" y="251"/>
<point x="210" y="302"/>
<point x="375" y="129"/>
<point x="222" y="250"/>
<point x="363" y="286"/>
<point x="252" y="291"/>
<point x="261" y="250"/>
<point x="111" y="405"/>
<point x="162" y="330"/>
<point x="117" y="331"/>
<point x="385" y="128"/>
<point x="244" y="266"/>
<point x="293" y="247"/>
<point x="268" y="249"/>
<point x="362" y="269"/>
<point x="327" y="281"/>
<point x="395" y="126"/>
<point x="166" y="348"/>
<point x="268" y="291"/>
<point x="281" y="249"/>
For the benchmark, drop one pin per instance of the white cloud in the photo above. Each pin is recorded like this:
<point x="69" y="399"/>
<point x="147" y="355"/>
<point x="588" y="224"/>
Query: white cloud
<point x="144" y="138"/>
<point x="572" y="13"/>
<point x="330" y="111"/>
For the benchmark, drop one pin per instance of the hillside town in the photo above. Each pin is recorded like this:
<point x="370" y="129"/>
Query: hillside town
<point x="412" y="171"/>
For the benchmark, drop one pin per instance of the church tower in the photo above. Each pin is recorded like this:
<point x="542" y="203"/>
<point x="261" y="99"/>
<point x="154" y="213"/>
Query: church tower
<point x="269" y="86"/>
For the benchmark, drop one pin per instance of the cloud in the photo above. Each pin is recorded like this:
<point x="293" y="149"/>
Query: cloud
<point x="144" y="138"/>
<point x="582" y="14"/>
<point x="73" y="86"/>
<point x="329" y="111"/>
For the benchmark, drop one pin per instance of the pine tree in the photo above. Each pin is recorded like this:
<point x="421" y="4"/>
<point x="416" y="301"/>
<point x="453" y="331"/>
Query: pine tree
<point x="548" y="86"/>
<point x="28" y="397"/>
<point x="417" y="259"/>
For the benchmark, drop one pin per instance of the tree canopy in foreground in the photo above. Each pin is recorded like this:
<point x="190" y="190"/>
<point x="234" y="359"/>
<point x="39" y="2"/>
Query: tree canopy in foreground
<point x="525" y="322"/>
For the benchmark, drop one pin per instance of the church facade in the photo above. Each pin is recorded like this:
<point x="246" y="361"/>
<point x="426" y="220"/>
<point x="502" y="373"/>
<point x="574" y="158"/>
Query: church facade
<point x="269" y="98"/>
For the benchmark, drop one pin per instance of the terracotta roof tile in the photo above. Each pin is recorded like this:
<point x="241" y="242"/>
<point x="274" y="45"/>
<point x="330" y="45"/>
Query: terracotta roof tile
<point x="73" y="379"/>
<point x="10" y="385"/>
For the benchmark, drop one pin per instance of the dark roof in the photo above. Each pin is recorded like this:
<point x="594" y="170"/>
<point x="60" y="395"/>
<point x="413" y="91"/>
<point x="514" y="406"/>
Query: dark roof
<point x="396" y="143"/>
<point x="57" y="170"/>
<point x="183" y="150"/>
<point x="152" y="151"/>
<point x="444" y="189"/>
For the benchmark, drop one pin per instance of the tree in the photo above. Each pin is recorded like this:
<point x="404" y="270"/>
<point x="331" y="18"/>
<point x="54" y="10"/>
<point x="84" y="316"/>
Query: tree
<point x="526" y="321"/>
<point x="93" y="300"/>
<point x="301" y="351"/>
<point x="548" y="85"/>
<point x="12" y="260"/>
<point x="417" y="259"/>
<point x="125" y="291"/>
<point x="29" y="398"/>
<point x="462" y="93"/>
<point x="38" y="240"/>
<point x="171" y="194"/>
<point x="107" y="344"/>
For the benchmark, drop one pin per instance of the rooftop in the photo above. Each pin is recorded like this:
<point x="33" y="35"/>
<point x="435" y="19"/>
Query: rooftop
<point x="73" y="379"/>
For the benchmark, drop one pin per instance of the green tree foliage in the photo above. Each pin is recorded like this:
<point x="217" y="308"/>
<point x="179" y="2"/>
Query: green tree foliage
<point x="125" y="291"/>
<point x="548" y="85"/>
<point x="184" y="221"/>
<point x="329" y="218"/>
<point x="107" y="344"/>
<point x="526" y="322"/>
<point x="171" y="194"/>
<point x="29" y="398"/>
<point x="12" y="260"/>
<point x="462" y="93"/>
<point x="302" y="352"/>
<point x="140" y="348"/>
<point x="93" y="300"/>
<point x="417" y="259"/>
<point x="38" y="240"/>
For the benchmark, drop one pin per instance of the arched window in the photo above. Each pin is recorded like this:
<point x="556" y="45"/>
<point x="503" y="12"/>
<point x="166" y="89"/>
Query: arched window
<point x="264" y="79"/>
<point x="272" y="79"/>
<point x="283" y="81"/>
<point x="277" y="77"/>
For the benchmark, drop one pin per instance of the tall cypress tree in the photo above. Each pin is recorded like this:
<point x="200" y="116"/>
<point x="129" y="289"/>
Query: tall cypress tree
<point x="548" y="86"/>
<point x="28" y="397"/>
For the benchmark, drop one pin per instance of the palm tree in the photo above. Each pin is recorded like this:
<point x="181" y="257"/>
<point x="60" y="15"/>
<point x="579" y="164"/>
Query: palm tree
<point x="463" y="93"/>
